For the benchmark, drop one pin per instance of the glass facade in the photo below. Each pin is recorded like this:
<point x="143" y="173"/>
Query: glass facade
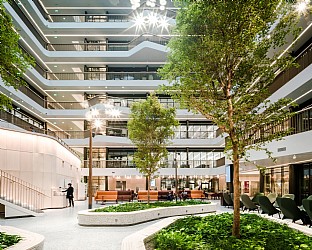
<point x="277" y="180"/>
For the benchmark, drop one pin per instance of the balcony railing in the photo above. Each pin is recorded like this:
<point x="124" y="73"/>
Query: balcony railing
<point x="304" y="59"/>
<point x="81" y="18"/>
<point x="299" y="123"/>
<point x="101" y="76"/>
<point x="28" y="124"/>
<point x="123" y="132"/>
<point x="164" y="164"/>
<point x="106" y="46"/>
<point x="21" y="193"/>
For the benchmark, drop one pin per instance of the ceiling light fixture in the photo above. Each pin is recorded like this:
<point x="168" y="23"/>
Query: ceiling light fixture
<point x="149" y="3"/>
<point x="302" y="6"/>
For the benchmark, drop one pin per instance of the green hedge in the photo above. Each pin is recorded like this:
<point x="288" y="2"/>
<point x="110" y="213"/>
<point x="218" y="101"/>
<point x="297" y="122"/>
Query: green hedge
<point x="136" y="206"/>
<point x="214" y="232"/>
<point x="7" y="240"/>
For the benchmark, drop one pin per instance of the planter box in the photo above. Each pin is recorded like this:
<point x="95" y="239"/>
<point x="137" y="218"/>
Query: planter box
<point x="89" y="218"/>
<point x="30" y="241"/>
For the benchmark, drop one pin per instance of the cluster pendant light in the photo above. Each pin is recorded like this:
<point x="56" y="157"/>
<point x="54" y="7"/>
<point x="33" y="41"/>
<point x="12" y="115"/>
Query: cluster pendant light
<point x="150" y="3"/>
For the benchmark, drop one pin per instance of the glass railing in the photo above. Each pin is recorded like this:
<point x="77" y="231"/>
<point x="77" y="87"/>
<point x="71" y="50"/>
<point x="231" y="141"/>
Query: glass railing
<point x="123" y="132"/>
<point x="81" y="18"/>
<point x="29" y="124"/>
<point x="164" y="164"/>
<point x="101" y="76"/>
<point x="101" y="18"/>
<point x="21" y="193"/>
<point x="106" y="46"/>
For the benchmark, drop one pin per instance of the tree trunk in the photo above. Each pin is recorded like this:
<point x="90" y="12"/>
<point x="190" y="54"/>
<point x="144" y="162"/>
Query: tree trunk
<point x="236" y="201"/>
<point x="148" y="188"/>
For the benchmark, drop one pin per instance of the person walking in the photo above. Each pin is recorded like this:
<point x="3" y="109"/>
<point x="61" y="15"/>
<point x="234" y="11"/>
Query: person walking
<point x="70" y="194"/>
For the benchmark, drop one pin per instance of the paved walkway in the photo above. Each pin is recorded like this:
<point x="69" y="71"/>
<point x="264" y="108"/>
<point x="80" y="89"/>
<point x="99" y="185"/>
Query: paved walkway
<point x="62" y="232"/>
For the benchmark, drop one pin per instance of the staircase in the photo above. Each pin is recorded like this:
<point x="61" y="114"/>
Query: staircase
<point x="20" y="198"/>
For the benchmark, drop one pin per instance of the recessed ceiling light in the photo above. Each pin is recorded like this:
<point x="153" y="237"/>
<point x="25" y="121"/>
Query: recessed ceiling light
<point x="55" y="10"/>
<point x="122" y="87"/>
<point x="71" y="128"/>
<point x="63" y="96"/>
<point x="55" y="37"/>
<point x="55" y="66"/>
<point x="63" y="70"/>
<point x="54" y="122"/>
<point x="89" y="87"/>
<point x="106" y="87"/>
<point x="55" y="94"/>
<point x="63" y="122"/>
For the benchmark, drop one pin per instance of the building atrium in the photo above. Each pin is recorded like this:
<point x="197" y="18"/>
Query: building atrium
<point x="68" y="123"/>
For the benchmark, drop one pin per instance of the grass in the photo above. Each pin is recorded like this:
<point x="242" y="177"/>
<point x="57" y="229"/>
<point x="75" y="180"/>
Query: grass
<point x="136" y="206"/>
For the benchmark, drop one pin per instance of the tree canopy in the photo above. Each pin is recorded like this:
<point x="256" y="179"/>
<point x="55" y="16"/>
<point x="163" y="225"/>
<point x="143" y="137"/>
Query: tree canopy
<point x="222" y="59"/>
<point x="151" y="127"/>
<point x="13" y="61"/>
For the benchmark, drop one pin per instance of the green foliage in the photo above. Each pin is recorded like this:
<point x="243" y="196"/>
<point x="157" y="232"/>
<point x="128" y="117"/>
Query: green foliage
<point x="129" y="207"/>
<point x="221" y="61"/>
<point x="150" y="128"/>
<point x="7" y="240"/>
<point x="214" y="232"/>
<point x="13" y="61"/>
<point x="219" y="66"/>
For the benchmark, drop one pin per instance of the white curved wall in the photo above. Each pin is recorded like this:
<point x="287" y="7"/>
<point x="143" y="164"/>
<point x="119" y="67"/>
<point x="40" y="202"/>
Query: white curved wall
<point x="39" y="160"/>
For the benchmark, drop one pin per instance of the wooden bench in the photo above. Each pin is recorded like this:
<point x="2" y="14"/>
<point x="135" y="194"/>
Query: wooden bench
<point x="142" y="196"/>
<point x="106" y="196"/>
<point x="124" y="195"/>
<point x="197" y="194"/>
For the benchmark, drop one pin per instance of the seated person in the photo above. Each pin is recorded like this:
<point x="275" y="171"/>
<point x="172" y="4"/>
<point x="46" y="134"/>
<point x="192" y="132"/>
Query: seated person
<point x="170" y="196"/>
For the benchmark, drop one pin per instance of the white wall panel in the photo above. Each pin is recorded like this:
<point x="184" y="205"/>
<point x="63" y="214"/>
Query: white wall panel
<point x="39" y="160"/>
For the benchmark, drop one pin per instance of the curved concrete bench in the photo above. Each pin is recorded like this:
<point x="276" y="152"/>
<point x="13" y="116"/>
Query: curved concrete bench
<point x="89" y="218"/>
<point x="30" y="241"/>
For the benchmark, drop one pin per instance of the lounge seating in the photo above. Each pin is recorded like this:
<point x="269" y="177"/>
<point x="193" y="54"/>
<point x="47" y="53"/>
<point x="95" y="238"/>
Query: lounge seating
<point x="142" y="196"/>
<point x="290" y="196"/>
<point x="255" y="199"/>
<point x="291" y="211"/>
<point x="307" y="204"/>
<point x="248" y="204"/>
<point x="197" y="194"/>
<point x="267" y="207"/>
<point x="124" y="195"/>
<point x="272" y="197"/>
<point x="228" y="200"/>
<point x="106" y="196"/>
<point x="163" y="195"/>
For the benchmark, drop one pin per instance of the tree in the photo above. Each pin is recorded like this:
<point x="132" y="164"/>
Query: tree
<point x="13" y="61"/>
<point x="150" y="128"/>
<point x="222" y="59"/>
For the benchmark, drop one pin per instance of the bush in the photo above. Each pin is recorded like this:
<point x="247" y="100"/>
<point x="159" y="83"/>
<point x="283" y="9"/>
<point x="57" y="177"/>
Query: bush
<point x="214" y="232"/>
<point x="129" y="207"/>
<point x="7" y="240"/>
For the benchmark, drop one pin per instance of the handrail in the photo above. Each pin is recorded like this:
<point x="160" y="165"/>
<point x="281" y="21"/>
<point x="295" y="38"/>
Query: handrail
<point x="21" y="193"/>
<point x="103" y="75"/>
<point x="101" y="46"/>
<point x="99" y="17"/>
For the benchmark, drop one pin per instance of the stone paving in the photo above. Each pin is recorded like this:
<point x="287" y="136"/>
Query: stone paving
<point x="62" y="232"/>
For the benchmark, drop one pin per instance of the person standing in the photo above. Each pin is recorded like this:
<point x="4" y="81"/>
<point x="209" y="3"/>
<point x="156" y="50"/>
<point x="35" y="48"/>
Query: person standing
<point x="70" y="194"/>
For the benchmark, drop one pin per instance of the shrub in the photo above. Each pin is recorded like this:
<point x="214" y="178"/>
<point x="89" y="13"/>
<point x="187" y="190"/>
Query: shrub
<point x="129" y="207"/>
<point x="7" y="240"/>
<point x="214" y="232"/>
